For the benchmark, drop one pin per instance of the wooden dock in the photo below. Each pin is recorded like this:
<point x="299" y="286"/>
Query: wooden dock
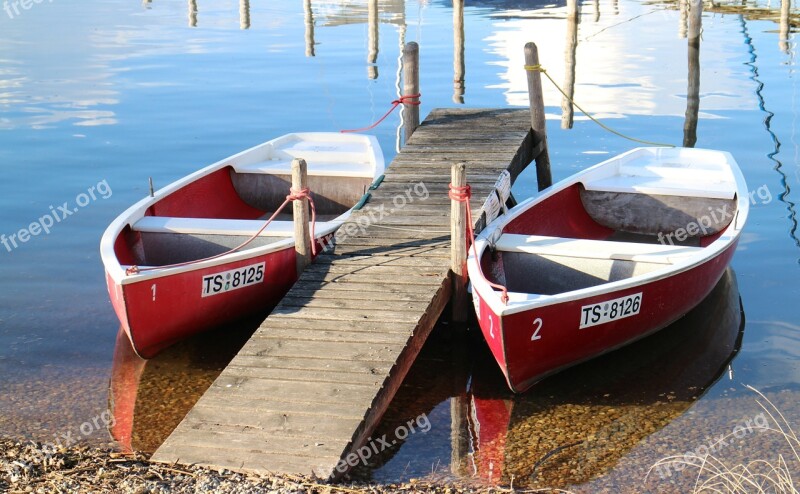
<point x="314" y="380"/>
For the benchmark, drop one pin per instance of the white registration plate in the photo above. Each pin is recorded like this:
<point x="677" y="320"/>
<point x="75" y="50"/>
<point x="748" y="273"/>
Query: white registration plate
<point x="610" y="310"/>
<point x="234" y="279"/>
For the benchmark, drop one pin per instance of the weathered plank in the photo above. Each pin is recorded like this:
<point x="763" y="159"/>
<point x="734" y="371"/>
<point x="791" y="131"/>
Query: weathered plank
<point x="313" y="382"/>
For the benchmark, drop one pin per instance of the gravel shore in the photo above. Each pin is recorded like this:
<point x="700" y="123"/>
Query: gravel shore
<point x="26" y="467"/>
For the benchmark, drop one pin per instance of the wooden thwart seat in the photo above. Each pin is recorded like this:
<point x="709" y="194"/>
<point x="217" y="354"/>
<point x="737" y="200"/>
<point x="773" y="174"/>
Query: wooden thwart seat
<point x="593" y="249"/>
<point x="214" y="226"/>
<point x="315" y="168"/>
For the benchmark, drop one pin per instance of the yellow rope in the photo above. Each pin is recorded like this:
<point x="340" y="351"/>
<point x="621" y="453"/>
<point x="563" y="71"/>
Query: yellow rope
<point x="539" y="68"/>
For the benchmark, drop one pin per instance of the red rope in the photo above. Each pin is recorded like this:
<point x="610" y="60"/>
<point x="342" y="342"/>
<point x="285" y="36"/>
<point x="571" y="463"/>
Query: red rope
<point x="408" y="99"/>
<point x="463" y="194"/>
<point x="294" y="195"/>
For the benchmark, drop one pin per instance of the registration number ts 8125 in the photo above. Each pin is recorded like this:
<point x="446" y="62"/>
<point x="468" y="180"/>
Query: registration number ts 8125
<point x="233" y="279"/>
<point x="610" y="310"/>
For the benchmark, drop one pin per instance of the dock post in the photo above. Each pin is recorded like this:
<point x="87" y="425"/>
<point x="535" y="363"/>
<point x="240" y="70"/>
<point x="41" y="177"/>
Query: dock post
<point x="302" y="241"/>
<point x="543" y="176"/>
<point x="458" y="245"/>
<point x="410" y="86"/>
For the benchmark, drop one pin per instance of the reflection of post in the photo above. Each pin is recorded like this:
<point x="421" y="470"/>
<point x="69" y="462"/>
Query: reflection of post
<point x="192" y="13"/>
<point x="244" y="14"/>
<point x="783" y="42"/>
<point x="536" y="100"/>
<point x="309" y="18"/>
<point x="615" y="4"/>
<point x="567" y="110"/>
<point x="411" y="87"/>
<point x="458" y="51"/>
<point x="596" y="10"/>
<point x="693" y="91"/>
<point x="458" y="439"/>
<point x="372" y="57"/>
<point x="683" y="10"/>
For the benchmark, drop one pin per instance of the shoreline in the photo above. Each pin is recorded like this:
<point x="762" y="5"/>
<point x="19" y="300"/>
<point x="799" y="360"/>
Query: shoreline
<point x="26" y="466"/>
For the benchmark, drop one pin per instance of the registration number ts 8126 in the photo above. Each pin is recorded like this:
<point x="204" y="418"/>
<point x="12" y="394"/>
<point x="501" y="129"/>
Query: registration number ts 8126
<point x="610" y="310"/>
<point x="233" y="279"/>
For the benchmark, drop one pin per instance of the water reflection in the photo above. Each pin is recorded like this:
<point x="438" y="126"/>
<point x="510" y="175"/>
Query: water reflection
<point x="148" y="398"/>
<point x="575" y="426"/>
<point x="570" y="428"/>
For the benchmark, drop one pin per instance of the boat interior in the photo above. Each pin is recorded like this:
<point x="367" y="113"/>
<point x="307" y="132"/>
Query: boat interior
<point x="223" y="209"/>
<point x="592" y="233"/>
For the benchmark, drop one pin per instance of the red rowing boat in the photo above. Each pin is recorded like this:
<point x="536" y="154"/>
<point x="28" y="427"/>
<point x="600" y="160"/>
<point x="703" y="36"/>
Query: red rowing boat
<point x="173" y="261"/>
<point x="605" y="257"/>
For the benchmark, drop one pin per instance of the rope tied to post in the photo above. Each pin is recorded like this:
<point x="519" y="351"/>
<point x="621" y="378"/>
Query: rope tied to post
<point x="407" y="99"/>
<point x="463" y="194"/>
<point x="294" y="195"/>
<point x="539" y="68"/>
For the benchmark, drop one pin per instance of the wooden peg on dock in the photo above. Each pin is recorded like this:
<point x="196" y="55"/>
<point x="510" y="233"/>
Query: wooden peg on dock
<point x="410" y="87"/>
<point x="302" y="240"/>
<point x="458" y="245"/>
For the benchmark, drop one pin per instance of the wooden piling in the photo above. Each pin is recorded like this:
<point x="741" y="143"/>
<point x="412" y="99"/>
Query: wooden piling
<point x="459" y="66"/>
<point x="410" y="86"/>
<point x="783" y="42"/>
<point x="458" y="245"/>
<point x="244" y="14"/>
<point x="192" y="13"/>
<point x="536" y="97"/>
<point x="373" y="39"/>
<point x="309" y="32"/>
<point x="693" y="76"/>
<point x="567" y="109"/>
<point x="302" y="239"/>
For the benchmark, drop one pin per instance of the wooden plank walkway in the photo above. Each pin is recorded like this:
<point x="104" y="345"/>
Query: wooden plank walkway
<point x="314" y="380"/>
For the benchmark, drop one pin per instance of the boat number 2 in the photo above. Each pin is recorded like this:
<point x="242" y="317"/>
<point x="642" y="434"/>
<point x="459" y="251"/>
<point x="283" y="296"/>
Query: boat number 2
<point x="537" y="323"/>
<point x="153" y="288"/>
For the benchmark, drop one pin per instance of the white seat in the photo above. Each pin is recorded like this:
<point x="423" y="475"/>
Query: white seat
<point x="663" y="186"/>
<point x="593" y="249"/>
<point x="214" y="226"/>
<point x="315" y="168"/>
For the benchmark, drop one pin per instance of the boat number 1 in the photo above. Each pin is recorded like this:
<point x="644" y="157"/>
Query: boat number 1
<point x="537" y="323"/>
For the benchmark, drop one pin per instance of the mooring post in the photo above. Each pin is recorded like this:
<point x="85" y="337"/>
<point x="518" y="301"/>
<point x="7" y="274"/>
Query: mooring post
<point x="244" y="14"/>
<point x="536" y="97"/>
<point x="410" y="87"/>
<point x="459" y="66"/>
<point x="567" y="110"/>
<point x="693" y="76"/>
<point x="458" y="245"/>
<point x="783" y="41"/>
<point x="302" y="240"/>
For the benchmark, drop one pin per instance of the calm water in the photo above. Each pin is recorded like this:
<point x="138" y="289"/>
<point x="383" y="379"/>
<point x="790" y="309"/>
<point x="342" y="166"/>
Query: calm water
<point x="97" y="96"/>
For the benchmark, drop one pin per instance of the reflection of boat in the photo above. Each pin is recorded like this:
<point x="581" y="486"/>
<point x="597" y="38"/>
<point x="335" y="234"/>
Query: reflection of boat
<point x="148" y="398"/>
<point x="605" y="257"/>
<point x="199" y="253"/>
<point x="576" y="425"/>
